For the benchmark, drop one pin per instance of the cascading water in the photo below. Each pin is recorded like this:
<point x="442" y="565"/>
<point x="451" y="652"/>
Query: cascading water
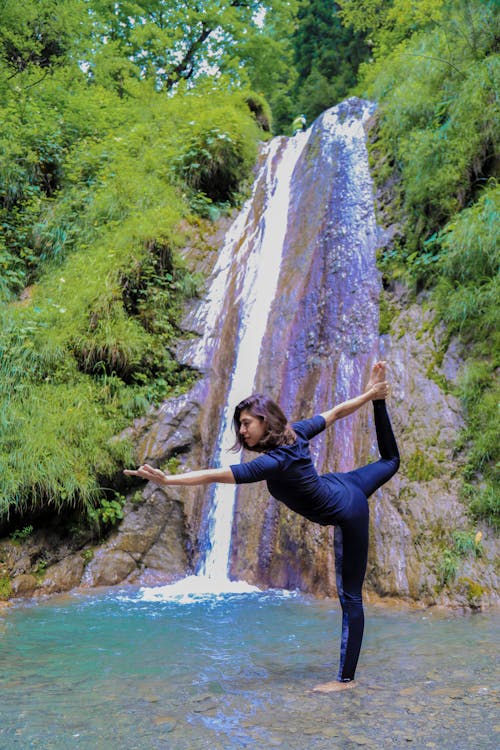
<point x="250" y="263"/>
<point x="293" y="311"/>
<point x="321" y="340"/>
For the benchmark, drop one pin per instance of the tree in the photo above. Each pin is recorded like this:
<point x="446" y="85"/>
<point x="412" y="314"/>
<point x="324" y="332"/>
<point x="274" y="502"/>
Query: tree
<point x="40" y="33"/>
<point x="327" y="56"/>
<point x="183" y="41"/>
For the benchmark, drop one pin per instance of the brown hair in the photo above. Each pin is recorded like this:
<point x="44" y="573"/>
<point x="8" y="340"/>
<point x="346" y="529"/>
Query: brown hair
<point x="279" y="431"/>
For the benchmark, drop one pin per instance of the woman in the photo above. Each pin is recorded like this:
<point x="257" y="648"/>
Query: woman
<point x="334" y="498"/>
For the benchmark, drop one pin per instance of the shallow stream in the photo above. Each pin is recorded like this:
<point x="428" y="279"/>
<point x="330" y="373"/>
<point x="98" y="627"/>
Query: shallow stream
<point x="113" y="671"/>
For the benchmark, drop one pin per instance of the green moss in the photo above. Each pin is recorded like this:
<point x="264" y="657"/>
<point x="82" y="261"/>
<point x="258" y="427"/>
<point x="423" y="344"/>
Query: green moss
<point x="433" y="374"/>
<point x="5" y="587"/>
<point x="474" y="591"/>
<point x="419" y="467"/>
<point x="172" y="466"/>
<point x="87" y="555"/>
<point x="386" y="315"/>
<point x="40" y="570"/>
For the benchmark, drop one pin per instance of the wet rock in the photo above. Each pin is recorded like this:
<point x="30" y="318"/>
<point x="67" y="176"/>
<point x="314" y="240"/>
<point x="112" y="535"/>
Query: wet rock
<point x="167" y="723"/>
<point x="149" y="544"/>
<point x="171" y="429"/>
<point x="24" y="585"/>
<point x="360" y="740"/>
<point x="204" y="704"/>
<point x="109" y="567"/>
<point x="64" y="575"/>
<point x="22" y="565"/>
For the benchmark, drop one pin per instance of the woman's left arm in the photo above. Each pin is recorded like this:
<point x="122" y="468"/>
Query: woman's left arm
<point x="190" y="478"/>
<point x="377" y="391"/>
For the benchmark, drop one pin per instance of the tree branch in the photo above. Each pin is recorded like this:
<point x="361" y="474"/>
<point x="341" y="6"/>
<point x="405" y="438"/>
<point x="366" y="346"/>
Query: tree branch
<point x="185" y="65"/>
<point x="438" y="59"/>
<point x="185" y="68"/>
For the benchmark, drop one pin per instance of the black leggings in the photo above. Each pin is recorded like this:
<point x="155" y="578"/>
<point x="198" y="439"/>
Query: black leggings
<point x="351" y="539"/>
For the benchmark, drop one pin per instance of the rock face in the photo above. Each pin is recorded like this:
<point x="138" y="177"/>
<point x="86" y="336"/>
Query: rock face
<point x="320" y="341"/>
<point x="415" y="516"/>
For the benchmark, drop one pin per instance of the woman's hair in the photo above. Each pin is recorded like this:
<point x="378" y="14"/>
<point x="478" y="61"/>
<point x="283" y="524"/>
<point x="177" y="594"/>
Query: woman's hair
<point x="278" y="432"/>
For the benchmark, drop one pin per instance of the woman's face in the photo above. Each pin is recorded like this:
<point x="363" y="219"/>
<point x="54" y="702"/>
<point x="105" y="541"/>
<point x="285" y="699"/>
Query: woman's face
<point x="252" y="429"/>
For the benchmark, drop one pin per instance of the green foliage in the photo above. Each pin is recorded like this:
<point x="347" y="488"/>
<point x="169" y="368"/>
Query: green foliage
<point x="469" y="264"/>
<point x="40" y="569"/>
<point x="39" y="34"/>
<point x="327" y="57"/>
<point x="419" y="467"/>
<point x="473" y="590"/>
<point x="448" y="567"/>
<point x="174" y="43"/>
<point x="172" y="466"/>
<point x="467" y="543"/>
<point x="462" y="544"/>
<point x="467" y="295"/>
<point x="109" y="512"/>
<point x="99" y="174"/>
<point x="20" y="535"/>
<point x="386" y="315"/>
<point x="439" y="114"/>
<point x="5" y="588"/>
<point x="137" y="498"/>
<point x="87" y="555"/>
<point x="389" y="22"/>
<point x="484" y="502"/>
<point x="436" y="73"/>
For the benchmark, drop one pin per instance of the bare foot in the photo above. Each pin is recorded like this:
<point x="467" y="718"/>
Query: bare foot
<point x="334" y="687"/>
<point x="377" y="374"/>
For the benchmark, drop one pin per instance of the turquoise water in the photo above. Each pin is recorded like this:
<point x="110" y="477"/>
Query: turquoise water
<point x="114" y="671"/>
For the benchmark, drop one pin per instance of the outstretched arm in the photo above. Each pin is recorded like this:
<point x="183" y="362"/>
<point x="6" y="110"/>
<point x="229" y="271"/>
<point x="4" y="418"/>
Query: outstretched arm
<point x="190" y="478"/>
<point x="376" y="389"/>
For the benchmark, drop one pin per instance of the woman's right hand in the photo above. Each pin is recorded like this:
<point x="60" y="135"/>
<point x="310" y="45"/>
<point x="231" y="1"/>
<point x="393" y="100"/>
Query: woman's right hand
<point x="379" y="391"/>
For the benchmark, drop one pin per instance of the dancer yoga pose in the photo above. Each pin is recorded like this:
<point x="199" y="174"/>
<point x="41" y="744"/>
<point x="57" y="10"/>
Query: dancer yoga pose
<point x="335" y="498"/>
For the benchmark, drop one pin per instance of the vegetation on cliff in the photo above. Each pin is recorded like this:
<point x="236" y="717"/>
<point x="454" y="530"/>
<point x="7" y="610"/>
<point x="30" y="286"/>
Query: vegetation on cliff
<point x="435" y="71"/>
<point x="108" y="158"/>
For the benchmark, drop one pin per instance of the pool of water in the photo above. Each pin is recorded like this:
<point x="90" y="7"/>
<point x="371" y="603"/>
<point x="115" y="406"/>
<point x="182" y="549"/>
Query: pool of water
<point x="114" y="670"/>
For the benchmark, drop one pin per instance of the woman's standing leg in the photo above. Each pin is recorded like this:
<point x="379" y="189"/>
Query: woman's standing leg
<point x="351" y="553"/>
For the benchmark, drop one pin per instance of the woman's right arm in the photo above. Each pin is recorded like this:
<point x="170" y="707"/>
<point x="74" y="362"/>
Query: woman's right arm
<point x="190" y="478"/>
<point x="376" y="391"/>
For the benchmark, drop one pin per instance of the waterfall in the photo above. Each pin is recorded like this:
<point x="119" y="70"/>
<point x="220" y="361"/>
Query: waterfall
<point x="249" y="262"/>
<point x="322" y="338"/>
<point x="291" y="310"/>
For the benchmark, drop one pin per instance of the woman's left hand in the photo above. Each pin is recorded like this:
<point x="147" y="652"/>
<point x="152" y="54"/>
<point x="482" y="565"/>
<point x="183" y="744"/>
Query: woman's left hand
<point x="148" y="472"/>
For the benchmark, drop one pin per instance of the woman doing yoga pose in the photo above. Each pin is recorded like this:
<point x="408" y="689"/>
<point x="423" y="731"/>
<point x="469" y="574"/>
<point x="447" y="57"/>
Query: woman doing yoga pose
<point x="338" y="499"/>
